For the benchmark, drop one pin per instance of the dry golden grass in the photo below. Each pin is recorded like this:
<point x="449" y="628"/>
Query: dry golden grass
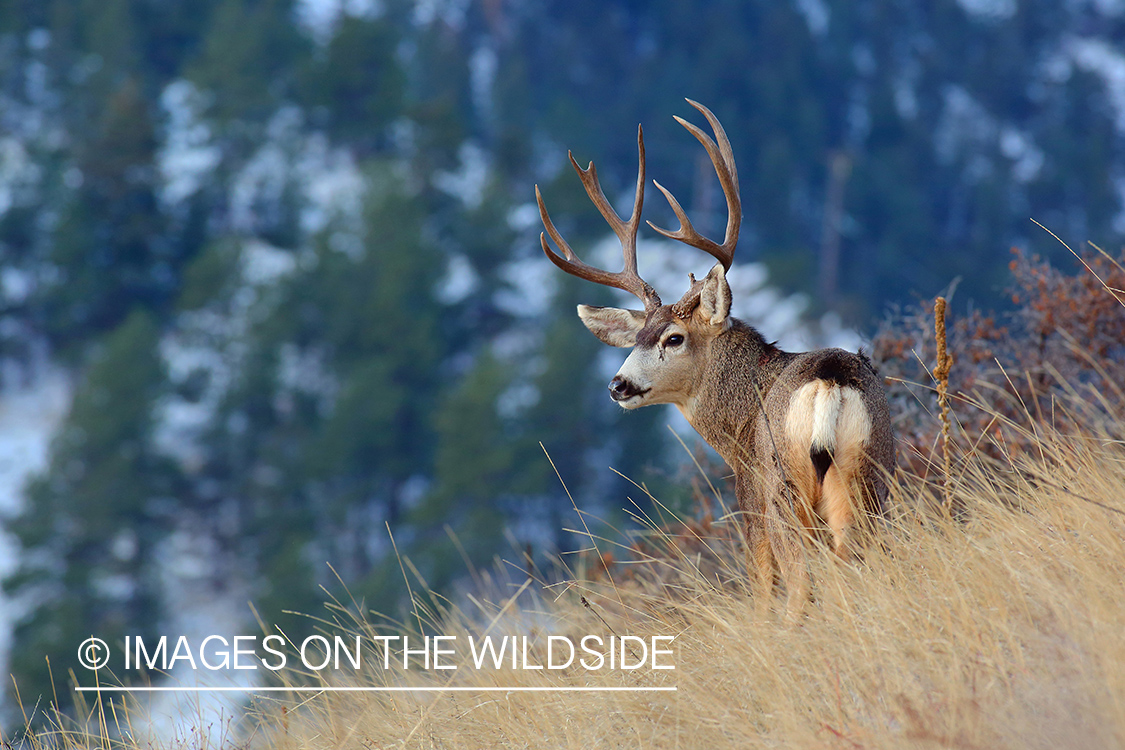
<point x="1000" y="629"/>
<point x="997" y="625"/>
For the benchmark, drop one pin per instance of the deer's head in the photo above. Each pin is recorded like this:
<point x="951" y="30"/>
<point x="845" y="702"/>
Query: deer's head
<point x="671" y="344"/>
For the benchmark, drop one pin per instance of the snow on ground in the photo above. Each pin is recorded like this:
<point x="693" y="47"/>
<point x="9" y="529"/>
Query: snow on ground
<point x="319" y="18"/>
<point x="188" y="155"/>
<point x="817" y="14"/>
<point x="189" y="563"/>
<point x="212" y="342"/>
<point x="1107" y="61"/>
<point x="293" y="164"/>
<point x="327" y="179"/>
<point x="467" y="183"/>
<point x="989" y="10"/>
<point x="205" y="593"/>
<point x="333" y="187"/>
<point x="19" y="174"/>
<point x="28" y="418"/>
<point x="1027" y="158"/>
<point x="965" y="127"/>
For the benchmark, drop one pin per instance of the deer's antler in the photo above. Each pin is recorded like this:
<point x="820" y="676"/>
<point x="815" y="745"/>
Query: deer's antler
<point x="627" y="279"/>
<point x="723" y="158"/>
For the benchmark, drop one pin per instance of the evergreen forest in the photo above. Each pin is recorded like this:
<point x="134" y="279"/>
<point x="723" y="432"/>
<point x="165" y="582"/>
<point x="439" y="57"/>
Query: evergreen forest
<point x="283" y="257"/>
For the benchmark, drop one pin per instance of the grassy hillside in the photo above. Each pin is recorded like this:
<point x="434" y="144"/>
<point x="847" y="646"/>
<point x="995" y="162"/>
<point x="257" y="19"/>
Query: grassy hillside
<point x="999" y="630"/>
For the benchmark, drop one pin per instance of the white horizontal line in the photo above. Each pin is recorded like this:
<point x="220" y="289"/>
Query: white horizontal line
<point x="387" y="689"/>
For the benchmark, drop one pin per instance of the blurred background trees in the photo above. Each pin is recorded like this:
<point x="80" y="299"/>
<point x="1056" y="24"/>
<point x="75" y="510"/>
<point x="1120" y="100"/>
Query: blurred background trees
<point x="287" y="254"/>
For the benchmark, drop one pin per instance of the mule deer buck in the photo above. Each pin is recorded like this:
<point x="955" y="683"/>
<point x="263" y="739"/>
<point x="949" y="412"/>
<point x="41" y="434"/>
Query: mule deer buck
<point x="807" y="434"/>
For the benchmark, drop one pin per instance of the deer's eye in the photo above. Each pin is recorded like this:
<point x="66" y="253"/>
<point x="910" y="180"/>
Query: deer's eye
<point x="674" y="340"/>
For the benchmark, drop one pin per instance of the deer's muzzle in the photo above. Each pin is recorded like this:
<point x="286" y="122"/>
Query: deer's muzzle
<point x="621" y="389"/>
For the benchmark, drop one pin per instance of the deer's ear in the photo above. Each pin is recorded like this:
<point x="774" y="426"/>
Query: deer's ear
<point x="714" y="298"/>
<point x="612" y="325"/>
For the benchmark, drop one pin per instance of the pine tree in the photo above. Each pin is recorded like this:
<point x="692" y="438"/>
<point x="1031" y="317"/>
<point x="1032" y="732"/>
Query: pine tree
<point x="107" y="246"/>
<point x="479" y="466"/>
<point x="248" y="59"/>
<point x="93" y="519"/>
<point x="358" y="85"/>
<point x="324" y="467"/>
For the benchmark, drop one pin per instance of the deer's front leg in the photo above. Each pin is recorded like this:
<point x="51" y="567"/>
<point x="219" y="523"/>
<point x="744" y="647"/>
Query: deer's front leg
<point x="760" y="557"/>
<point x="785" y="541"/>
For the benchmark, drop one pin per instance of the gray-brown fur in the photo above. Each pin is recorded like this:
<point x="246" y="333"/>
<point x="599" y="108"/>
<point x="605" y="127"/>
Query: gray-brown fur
<point x="746" y="390"/>
<point x="808" y="434"/>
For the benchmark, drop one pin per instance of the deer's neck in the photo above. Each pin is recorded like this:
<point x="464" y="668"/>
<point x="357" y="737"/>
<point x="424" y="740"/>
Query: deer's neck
<point x="725" y="404"/>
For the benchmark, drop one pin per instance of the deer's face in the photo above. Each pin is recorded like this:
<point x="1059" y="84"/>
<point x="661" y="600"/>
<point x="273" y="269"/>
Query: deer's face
<point x="669" y="353"/>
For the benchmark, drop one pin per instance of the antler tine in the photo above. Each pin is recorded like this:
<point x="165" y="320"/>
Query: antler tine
<point x="627" y="279"/>
<point x="722" y="157"/>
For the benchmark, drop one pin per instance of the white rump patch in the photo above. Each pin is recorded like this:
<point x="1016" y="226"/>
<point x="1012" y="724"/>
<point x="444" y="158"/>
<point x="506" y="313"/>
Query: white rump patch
<point x="827" y="416"/>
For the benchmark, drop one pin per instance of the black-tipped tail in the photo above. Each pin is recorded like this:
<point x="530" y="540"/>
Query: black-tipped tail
<point x="821" y="459"/>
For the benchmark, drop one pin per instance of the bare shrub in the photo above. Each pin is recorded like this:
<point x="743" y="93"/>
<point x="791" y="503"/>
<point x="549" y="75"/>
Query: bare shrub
<point x="1057" y="356"/>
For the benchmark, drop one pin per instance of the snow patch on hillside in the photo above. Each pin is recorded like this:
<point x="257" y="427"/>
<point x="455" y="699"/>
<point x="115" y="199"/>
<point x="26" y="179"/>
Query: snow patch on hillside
<point x="30" y="413"/>
<point x="209" y="346"/>
<point x="989" y="10"/>
<point x="450" y="12"/>
<point x="188" y="155"/>
<point x="321" y="18"/>
<point x="28" y="418"/>
<point x="19" y="174"/>
<point x="816" y="14"/>
<point x="468" y="182"/>
<point x="333" y="187"/>
<point x="297" y="168"/>
<point x="1027" y="158"/>
<point x="483" y="65"/>
<point x="1107" y="61"/>
<point x="190" y="562"/>
<point x="965" y="127"/>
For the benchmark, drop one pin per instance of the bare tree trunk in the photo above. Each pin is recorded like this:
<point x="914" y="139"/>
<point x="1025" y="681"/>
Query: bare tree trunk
<point x="839" y="169"/>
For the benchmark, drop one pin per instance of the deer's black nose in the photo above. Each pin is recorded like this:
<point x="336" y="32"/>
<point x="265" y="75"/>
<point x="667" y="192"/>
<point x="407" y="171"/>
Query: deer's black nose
<point x="621" y="389"/>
